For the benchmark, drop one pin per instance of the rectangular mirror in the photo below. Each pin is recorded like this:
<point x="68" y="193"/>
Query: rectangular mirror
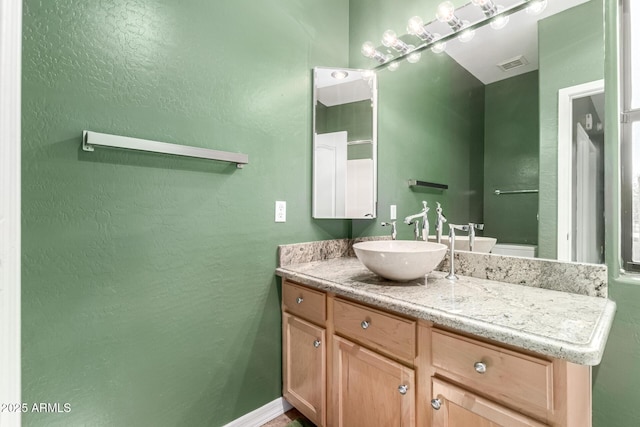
<point x="344" y="143"/>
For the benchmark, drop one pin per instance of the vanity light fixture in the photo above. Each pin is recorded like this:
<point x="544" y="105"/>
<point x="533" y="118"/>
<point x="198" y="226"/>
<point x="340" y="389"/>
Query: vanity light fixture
<point x="416" y="27"/>
<point x="339" y="74"/>
<point x="536" y="7"/>
<point x="496" y="15"/>
<point x="446" y="13"/>
<point x="369" y="50"/>
<point x="390" y="39"/>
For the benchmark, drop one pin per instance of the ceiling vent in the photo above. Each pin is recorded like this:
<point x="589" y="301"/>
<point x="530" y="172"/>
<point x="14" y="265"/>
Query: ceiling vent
<point x="512" y="63"/>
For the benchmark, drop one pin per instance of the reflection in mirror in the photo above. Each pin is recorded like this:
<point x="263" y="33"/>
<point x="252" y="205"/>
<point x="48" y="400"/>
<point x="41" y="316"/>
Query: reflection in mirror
<point x="344" y="143"/>
<point x="512" y="77"/>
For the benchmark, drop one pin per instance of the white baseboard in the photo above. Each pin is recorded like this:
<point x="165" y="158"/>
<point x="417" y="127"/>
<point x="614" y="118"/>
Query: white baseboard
<point x="262" y="415"/>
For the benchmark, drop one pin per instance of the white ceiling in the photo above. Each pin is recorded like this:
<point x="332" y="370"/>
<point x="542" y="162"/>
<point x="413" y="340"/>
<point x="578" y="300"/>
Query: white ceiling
<point x="490" y="47"/>
<point x="331" y="91"/>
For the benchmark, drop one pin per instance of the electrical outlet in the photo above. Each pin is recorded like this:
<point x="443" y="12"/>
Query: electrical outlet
<point x="392" y="214"/>
<point x="281" y="211"/>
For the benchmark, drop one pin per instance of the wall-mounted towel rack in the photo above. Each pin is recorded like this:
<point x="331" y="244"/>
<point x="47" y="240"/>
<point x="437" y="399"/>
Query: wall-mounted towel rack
<point x="417" y="183"/>
<point x="95" y="139"/>
<point x="499" y="192"/>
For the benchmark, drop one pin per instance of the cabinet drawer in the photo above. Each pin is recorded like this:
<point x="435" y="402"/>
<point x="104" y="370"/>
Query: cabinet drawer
<point x="304" y="302"/>
<point x="520" y="380"/>
<point x="382" y="331"/>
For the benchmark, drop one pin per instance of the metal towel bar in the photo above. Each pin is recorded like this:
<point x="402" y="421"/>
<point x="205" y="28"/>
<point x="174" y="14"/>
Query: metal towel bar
<point x="499" y="192"/>
<point x="418" y="183"/>
<point x="95" y="139"/>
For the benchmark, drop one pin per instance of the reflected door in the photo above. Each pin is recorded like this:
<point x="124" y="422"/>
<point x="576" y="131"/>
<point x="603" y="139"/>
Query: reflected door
<point x="330" y="173"/>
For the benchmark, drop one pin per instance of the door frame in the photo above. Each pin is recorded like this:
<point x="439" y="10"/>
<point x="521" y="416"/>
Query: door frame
<point x="565" y="161"/>
<point x="10" y="169"/>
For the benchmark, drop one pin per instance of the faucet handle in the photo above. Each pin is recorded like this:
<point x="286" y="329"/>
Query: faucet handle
<point x="459" y="227"/>
<point x="424" y="206"/>
<point x="476" y="226"/>
<point x="394" y="232"/>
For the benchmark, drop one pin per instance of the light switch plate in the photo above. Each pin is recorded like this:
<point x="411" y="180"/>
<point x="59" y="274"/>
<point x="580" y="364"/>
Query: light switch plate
<point x="281" y="211"/>
<point x="392" y="213"/>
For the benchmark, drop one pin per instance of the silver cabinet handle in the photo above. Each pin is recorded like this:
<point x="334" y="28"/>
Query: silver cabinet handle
<point x="299" y="300"/>
<point x="317" y="343"/>
<point x="480" y="367"/>
<point x="403" y="389"/>
<point x="364" y="324"/>
<point x="436" y="404"/>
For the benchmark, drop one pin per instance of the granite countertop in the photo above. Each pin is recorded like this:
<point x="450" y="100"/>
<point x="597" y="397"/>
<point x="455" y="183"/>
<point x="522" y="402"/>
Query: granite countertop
<point x="558" y="324"/>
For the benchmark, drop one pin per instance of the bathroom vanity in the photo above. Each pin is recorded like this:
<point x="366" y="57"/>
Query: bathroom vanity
<point x="362" y="351"/>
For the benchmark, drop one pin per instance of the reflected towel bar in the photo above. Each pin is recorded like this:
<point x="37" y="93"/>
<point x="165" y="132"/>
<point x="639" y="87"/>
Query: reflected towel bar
<point x="94" y="139"/>
<point x="499" y="192"/>
<point x="416" y="183"/>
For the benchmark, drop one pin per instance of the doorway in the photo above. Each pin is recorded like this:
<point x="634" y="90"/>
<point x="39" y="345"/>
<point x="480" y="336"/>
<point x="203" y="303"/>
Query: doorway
<point x="581" y="173"/>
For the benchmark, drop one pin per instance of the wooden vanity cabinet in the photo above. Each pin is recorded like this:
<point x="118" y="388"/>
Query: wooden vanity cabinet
<point x="457" y="407"/>
<point x="478" y="383"/>
<point x="304" y="354"/>
<point x="349" y="365"/>
<point x="373" y="379"/>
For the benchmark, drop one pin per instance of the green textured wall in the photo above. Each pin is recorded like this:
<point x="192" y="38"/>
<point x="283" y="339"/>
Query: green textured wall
<point x="616" y="401"/>
<point x="511" y="136"/>
<point x="578" y="58"/>
<point x="429" y="126"/>
<point x="149" y="295"/>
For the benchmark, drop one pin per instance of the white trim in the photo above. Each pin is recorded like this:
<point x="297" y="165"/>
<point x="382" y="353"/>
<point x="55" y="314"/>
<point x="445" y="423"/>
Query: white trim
<point x="565" y="163"/>
<point x="10" y="110"/>
<point x="262" y="415"/>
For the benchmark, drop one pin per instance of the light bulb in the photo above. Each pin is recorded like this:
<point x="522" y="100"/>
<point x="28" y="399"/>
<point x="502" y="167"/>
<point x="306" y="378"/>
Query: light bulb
<point x="368" y="49"/>
<point x="389" y="38"/>
<point x="536" y="7"/>
<point x="439" y="47"/>
<point x="414" y="57"/>
<point x="499" y="22"/>
<point x="339" y="74"/>
<point x="466" y="35"/>
<point x="488" y="7"/>
<point x="445" y="11"/>
<point x="393" y="66"/>
<point x="415" y="26"/>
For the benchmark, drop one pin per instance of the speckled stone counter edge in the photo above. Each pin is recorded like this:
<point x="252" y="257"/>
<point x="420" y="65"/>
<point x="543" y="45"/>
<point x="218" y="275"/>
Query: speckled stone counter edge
<point x="578" y="278"/>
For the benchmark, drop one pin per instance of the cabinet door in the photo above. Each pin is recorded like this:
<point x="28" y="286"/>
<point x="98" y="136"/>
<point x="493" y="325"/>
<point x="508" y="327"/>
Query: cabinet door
<point x="304" y="367"/>
<point x="456" y="407"/>
<point x="370" y="390"/>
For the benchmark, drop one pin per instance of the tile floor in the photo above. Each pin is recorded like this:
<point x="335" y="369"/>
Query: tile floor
<point x="283" y="419"/>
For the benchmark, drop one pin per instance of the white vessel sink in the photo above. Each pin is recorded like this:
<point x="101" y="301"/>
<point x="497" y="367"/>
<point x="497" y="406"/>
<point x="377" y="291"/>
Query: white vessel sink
<point x="481" y="244"/>
<point x="400" y="260"/>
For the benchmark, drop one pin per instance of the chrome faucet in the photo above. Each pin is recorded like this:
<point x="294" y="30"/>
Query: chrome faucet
<point x="452" y="242"/>
<point x="394" y="231"/>
<point x="414" y="219"/>
<point x="472" y="233"/>
<point x="440" y="220"/>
